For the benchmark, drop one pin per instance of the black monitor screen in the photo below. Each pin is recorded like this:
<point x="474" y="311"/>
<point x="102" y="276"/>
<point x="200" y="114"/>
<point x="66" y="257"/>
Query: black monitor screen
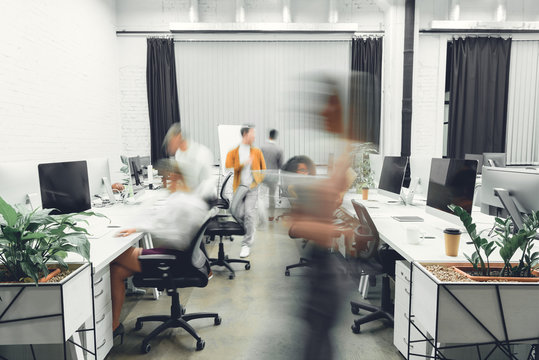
<point x="452" y="181"/>
<point x="478" y="157"/>
<point x="392" y="174"/>
<point x="64" y="186"/>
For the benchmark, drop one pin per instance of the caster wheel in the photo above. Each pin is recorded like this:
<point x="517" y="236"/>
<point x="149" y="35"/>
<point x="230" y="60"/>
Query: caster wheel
<point x="217" y="321"/>
<point x="287" y="273"/>
<point x="145" y="348"/>
<point x="247" y="266"/>
<point x="138" y="325"/>
<point x="183" y="310"/>
<point x="355" y="329"/>
<point x="231" y="276"/>
<point x="355" y="310"/>
<point x="200" y="344"/>
<point x="226" y="257"/>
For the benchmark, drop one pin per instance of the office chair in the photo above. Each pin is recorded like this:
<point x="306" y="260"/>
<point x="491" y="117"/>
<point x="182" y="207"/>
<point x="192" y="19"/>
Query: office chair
<point x="220" y="226"/>
<point x="368" y="255"/>
<point x="171" y="272"/>
<point x="222" y="202"/>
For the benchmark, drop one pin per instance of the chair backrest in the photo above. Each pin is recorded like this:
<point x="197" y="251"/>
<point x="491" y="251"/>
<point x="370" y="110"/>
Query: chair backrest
<point x="195" y="243"/>
<point x="237" y="210"/>
<point x="223" y="187"/>
<point x="366" y="235"/>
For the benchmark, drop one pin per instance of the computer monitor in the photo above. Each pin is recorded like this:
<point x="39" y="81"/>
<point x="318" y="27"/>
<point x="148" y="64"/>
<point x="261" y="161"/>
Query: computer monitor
<point x="144" y="162"/>
<point x="479" y="158"/>
<point x="521" y="184"/>
<point x="64" y="186"/>
<point x="135" y="169"/>
<point x="376" y="161"/>
<point x="392" y="176"/>
<point x="420" y="169"/>
<point x="494" y="159"/>
<point x="452" y="181"/>
<point x="98" y="168"/>
<point x="17" y="179"/>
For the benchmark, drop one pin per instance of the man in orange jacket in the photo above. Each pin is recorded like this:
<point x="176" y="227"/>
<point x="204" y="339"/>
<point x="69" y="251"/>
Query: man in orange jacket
<point x="243" y="159"/>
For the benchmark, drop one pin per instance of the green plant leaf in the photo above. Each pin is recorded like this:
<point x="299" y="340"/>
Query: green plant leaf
<point x="8" y="213"/>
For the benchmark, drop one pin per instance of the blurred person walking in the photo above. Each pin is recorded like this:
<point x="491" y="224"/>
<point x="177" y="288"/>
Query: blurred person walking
<point x="243" y="159"/>
<point x="273" y="155"/>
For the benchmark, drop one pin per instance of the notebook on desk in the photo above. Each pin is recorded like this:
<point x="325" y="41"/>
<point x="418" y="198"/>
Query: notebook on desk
<point x="408" y="218"/>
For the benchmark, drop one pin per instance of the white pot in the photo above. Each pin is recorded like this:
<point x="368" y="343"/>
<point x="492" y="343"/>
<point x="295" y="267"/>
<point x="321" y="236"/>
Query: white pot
<point x="46" y="314"/>
<point x="440" y="307"/>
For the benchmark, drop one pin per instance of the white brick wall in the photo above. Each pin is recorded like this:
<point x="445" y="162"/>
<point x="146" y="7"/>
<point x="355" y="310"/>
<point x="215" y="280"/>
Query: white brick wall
<point x="133" y="96"/>
<point x="59" y="80"/>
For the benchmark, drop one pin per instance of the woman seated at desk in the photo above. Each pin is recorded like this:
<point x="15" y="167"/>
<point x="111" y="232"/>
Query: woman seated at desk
<point x="172" y="225"/>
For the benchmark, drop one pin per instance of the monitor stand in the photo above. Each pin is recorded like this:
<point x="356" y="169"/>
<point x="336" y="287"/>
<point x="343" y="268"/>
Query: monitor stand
<point x="512" y="206"/>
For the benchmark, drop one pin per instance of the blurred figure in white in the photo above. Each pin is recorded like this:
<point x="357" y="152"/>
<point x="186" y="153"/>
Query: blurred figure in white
<point x="194" y="161"/>
<point x="273" y="155"/>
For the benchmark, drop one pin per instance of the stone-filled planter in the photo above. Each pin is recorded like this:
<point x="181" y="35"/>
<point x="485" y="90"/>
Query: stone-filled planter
<point x="466" y="270"/>
<point x="46" y="314"/>
<point x="471" y="313"/>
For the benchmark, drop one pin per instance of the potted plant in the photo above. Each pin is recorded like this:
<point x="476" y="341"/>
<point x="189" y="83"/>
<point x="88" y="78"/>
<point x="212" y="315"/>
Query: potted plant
<point x="488" y="302"/>
<point x="32" y="244"/>
<point x="362" y="167"/>
<point x="508" y="243"/>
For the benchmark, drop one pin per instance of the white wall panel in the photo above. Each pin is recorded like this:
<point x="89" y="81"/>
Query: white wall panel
<point x="258" y="82"/>
<point x="522" y="144"/>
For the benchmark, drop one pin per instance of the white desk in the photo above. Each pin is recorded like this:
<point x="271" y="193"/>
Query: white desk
<point x="104" y="248"/>
<point x="393" y="232"/>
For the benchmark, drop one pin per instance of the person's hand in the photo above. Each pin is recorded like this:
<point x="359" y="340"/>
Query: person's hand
<point x="117" y="187"/>
<point x="126" y="232"/>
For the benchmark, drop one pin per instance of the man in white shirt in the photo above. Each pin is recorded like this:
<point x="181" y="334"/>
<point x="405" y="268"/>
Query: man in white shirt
<point x="244" y="159"/>
<point x="194" y="160"/>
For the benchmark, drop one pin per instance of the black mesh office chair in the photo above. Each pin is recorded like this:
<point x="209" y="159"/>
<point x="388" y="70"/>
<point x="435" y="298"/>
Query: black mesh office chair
<point x="171" y="272"/>
<point x="222" y="202"/>
<point x="223" y="226"/>
<point x="368" y="254"/>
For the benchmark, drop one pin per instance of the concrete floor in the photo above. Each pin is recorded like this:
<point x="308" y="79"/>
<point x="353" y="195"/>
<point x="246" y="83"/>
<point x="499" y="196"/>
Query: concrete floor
<point x="261" y="312"/>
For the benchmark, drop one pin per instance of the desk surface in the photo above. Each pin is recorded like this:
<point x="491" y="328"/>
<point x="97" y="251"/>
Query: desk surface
<point x="393" y="232"/>
<point x="104" y="245"/>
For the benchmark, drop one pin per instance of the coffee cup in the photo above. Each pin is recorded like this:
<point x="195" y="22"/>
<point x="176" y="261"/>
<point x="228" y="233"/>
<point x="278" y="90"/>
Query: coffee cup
<point x="365" y="193"/>
<point x="452" y="241"/>
<point x="414" y="235"/>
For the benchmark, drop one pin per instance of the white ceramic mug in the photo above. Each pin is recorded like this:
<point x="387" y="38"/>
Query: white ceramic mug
<point x="414" y="235"/>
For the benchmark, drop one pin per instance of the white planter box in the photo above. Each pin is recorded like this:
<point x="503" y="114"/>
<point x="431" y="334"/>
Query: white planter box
<point x="474" y="312"/>
<point x="46" y="314"/>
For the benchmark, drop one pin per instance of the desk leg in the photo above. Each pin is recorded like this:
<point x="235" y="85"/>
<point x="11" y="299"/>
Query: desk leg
<point x="147" y="243"/>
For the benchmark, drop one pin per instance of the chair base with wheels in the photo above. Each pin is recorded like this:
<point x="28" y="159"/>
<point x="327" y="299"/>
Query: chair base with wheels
<point x="223" y="260"/>
<point x="218" y="227"/>
<point x="303" y="262"/>
<point x="385" y="311"/>
<point x="176" y="319"/>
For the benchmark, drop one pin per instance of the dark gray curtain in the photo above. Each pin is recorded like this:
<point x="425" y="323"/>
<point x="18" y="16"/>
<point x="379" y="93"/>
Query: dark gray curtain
<point x="479" y="75"/>
<point x="365" y="90"/>
<point x="162" y="92"/>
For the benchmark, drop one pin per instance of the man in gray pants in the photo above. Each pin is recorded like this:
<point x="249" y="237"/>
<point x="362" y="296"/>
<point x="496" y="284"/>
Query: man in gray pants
<point x="245" y="159"/>
<point x="273" y="155"/>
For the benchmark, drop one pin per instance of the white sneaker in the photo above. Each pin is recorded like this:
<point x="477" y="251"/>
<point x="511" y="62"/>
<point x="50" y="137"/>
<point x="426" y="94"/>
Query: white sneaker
<point x="245" y="251"/>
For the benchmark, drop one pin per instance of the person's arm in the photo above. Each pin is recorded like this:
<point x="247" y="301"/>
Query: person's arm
<point x="262" y="161"/>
